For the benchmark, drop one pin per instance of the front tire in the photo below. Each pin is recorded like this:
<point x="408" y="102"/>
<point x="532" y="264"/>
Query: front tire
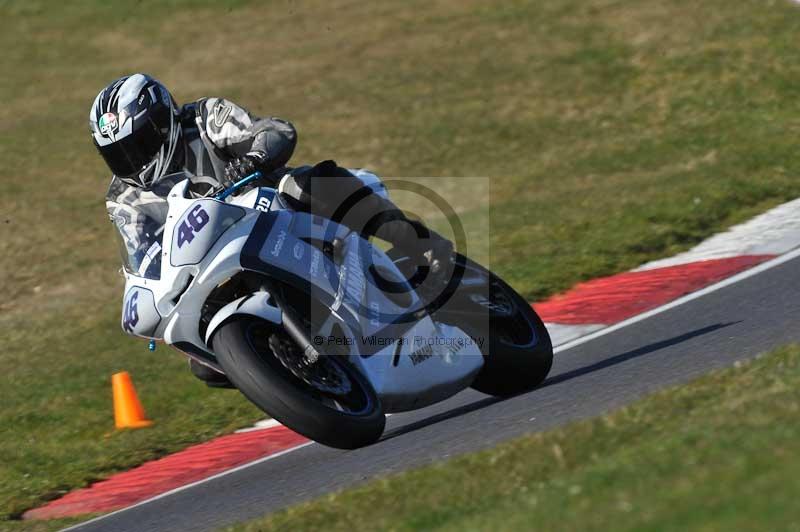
<point x="257" y="358"/>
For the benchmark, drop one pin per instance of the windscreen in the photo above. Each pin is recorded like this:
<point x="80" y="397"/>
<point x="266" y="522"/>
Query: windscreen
<point x="139" y="216"/>
<point x="140" y="245"/>
<point x="140" y="241"/>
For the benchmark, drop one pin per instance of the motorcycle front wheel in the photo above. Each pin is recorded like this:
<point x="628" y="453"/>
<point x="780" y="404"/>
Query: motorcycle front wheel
<point x="326" y="400"/>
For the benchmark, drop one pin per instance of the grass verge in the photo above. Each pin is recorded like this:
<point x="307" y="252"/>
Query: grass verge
<point x="613" y="131"/>
<point x="720" y="453"/>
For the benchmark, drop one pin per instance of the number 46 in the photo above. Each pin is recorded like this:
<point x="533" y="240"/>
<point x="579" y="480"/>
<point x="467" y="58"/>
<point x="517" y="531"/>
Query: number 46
<point x="194" y="222"/>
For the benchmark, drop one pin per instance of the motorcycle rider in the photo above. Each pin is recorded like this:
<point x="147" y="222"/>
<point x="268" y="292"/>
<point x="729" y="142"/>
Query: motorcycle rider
<point x="150" y="143"/>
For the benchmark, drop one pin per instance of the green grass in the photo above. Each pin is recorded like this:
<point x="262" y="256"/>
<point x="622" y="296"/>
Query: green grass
<point x="722" y="453"/>
<point x="613" y="131"/>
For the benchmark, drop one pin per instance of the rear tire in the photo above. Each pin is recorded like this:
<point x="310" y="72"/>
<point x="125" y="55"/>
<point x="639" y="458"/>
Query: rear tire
<point x="246" y="350"/>
<point x="510" y="370"/>
<point x="517" y="351"/>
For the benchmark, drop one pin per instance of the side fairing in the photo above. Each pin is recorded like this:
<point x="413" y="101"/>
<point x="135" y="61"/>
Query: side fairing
<point x="279" y="246"/>
<point x="282" y="245"/>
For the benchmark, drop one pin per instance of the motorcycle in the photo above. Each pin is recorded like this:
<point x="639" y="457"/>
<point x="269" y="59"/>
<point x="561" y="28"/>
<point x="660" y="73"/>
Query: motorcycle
<point x="316" y="325"/>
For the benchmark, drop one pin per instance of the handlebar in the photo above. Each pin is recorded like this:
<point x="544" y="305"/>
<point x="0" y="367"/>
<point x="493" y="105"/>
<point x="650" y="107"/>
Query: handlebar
<point x="236" y="186"/>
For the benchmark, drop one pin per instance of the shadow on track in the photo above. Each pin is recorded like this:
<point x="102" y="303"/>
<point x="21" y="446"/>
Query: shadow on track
<point x="456" y="412"/>
<point x="618" y="359"/>
<point x="644" y="350"/>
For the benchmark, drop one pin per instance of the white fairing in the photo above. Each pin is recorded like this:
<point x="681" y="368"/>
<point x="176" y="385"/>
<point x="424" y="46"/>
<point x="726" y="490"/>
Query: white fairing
<point x="429" y="366"/>
<point x="192" y="282"/>
<point x="203" y="246"/>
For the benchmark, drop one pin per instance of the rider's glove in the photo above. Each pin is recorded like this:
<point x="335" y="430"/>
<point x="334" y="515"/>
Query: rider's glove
<point x="238" y="169"/>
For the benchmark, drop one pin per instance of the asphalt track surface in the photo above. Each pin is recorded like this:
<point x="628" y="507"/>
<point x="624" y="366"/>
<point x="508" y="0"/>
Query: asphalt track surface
<point x="736" y="322"/>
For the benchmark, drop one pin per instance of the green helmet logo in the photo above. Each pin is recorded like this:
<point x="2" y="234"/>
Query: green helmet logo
<point x="107" y="124"/>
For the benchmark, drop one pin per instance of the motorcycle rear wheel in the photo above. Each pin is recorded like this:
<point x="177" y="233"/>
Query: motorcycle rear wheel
<point x="517" y="350"/>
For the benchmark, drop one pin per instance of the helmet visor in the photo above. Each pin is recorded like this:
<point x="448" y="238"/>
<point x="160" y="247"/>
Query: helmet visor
<point x="128" y="155"/>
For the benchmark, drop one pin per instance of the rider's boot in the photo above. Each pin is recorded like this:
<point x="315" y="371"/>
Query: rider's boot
<point x="211" y="377"/>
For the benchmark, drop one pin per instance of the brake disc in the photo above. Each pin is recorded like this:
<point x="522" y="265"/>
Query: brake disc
<point x="322" y="374"/>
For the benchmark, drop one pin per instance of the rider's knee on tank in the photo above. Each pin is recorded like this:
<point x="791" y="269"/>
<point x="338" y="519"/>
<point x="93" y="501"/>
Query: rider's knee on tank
<point x="306" y="183"/>
<point x="331" y="191"/>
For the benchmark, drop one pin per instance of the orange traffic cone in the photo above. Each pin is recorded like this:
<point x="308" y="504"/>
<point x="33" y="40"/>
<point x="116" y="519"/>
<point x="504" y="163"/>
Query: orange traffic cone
<point x="128" y="411"/>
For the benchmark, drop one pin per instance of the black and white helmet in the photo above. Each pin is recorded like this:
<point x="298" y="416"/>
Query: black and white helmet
<point x="134" y="123"/>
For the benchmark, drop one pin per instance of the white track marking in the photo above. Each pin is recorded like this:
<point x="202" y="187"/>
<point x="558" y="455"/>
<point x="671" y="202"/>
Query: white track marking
<point x="561" y="333"/>
<point x="775" y="232"/>
<point x="260" y="425"/>
<point x="193" y="484"/>
<point x="685" y="299"/>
